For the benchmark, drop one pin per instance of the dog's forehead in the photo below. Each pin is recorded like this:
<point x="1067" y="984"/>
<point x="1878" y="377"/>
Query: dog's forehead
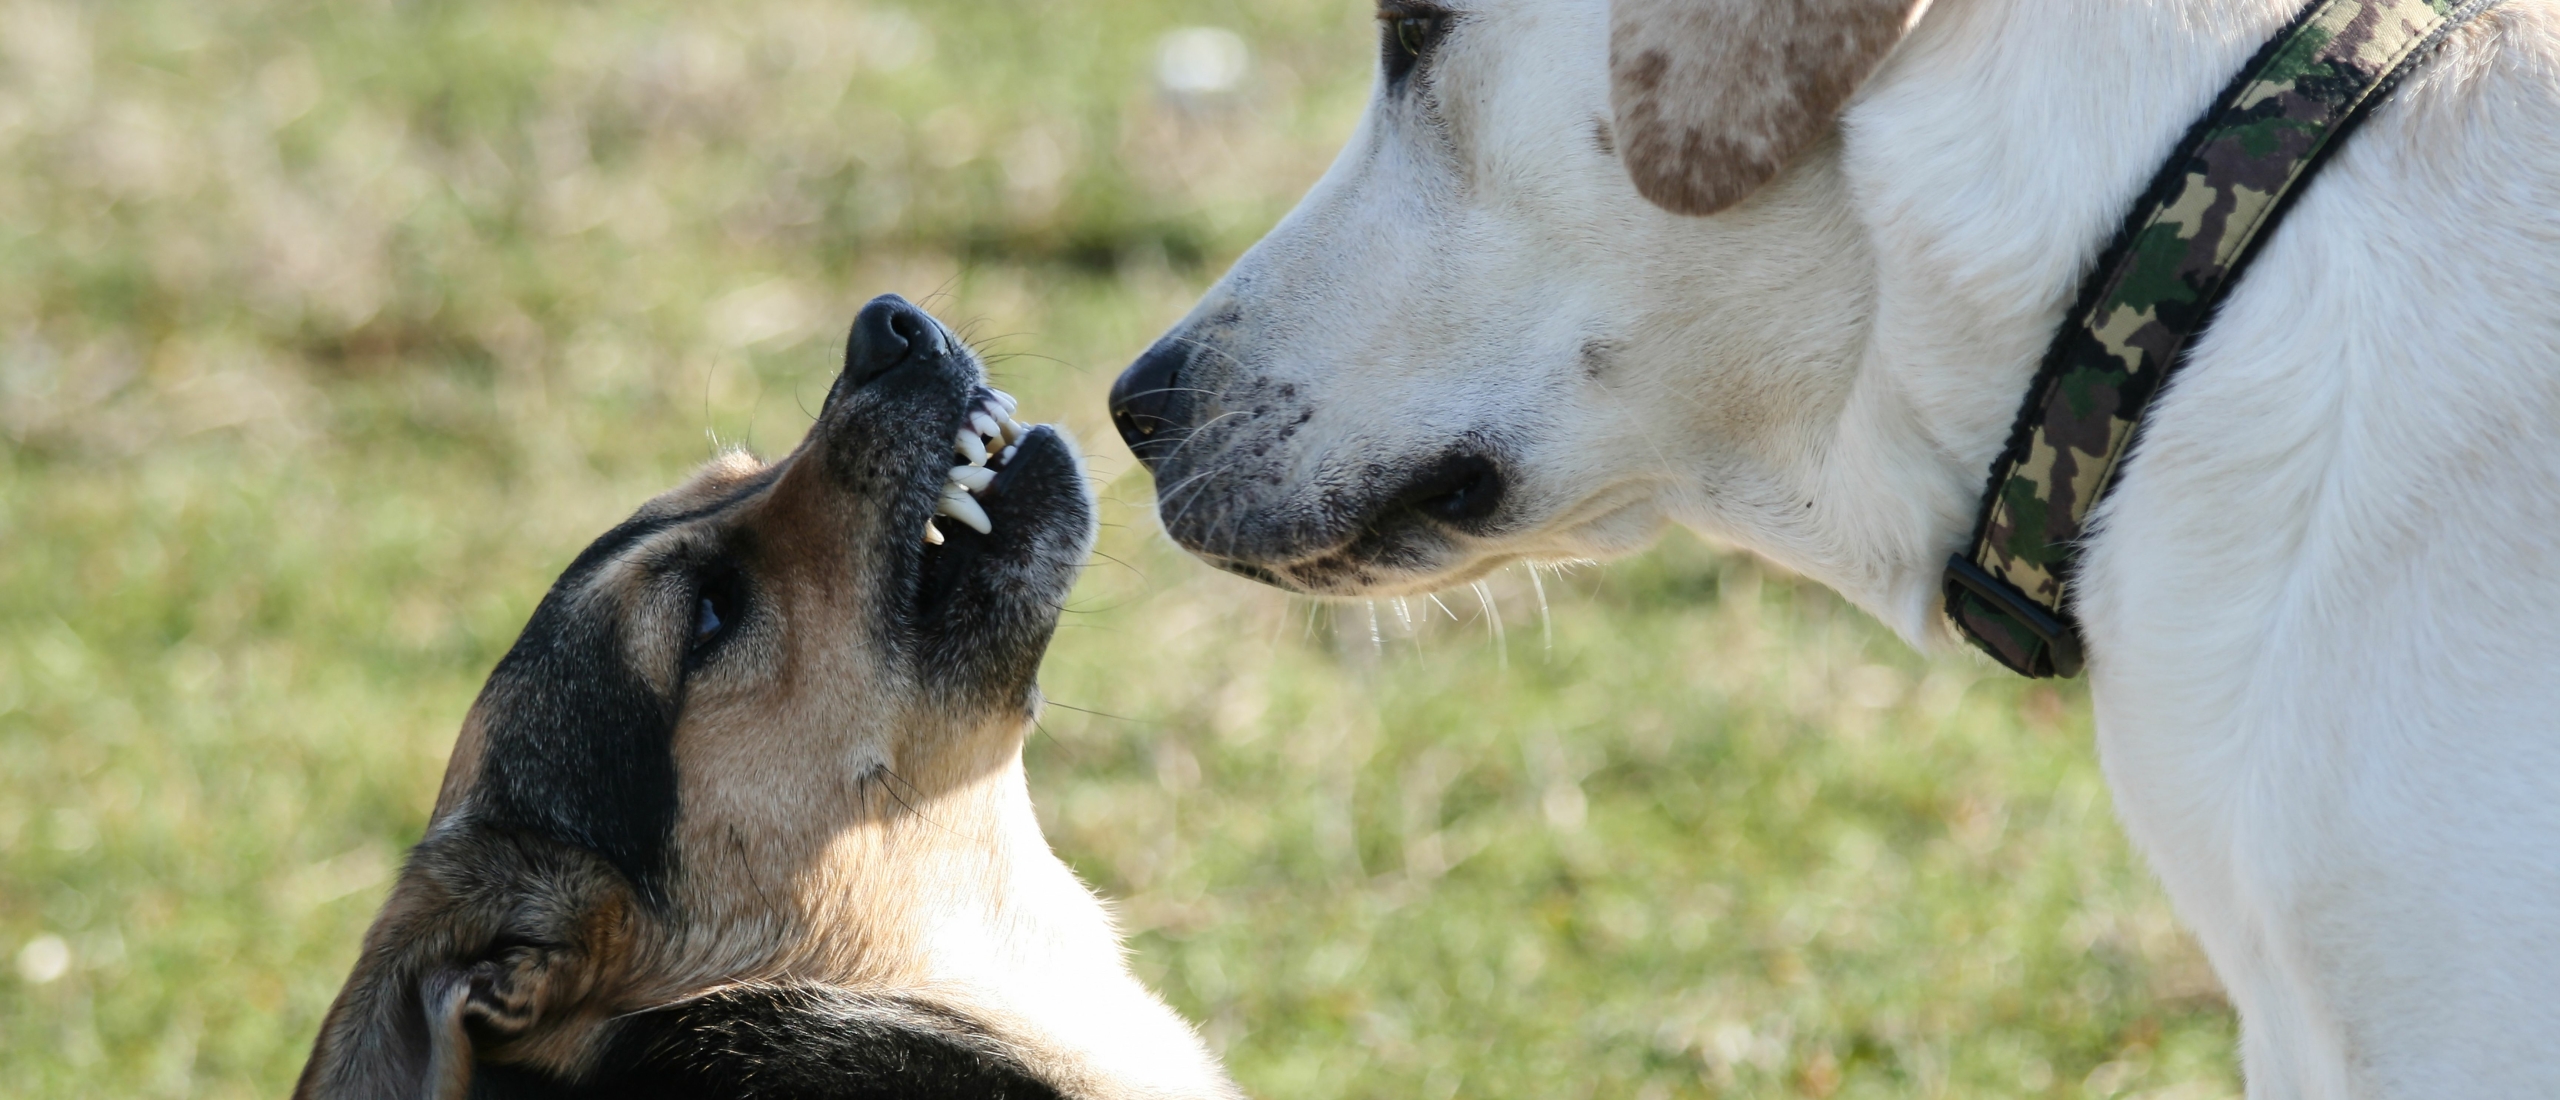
<point x="616" y="557"/>
<point x="711" y="483"/>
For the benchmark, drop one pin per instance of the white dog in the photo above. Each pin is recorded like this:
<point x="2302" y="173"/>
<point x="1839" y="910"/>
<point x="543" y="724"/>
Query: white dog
<point x="2323" y="608"/>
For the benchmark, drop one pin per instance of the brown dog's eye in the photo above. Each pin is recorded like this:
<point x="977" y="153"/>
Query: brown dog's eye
<point x="716" y="610"/>
<point x="1409" y="35"/>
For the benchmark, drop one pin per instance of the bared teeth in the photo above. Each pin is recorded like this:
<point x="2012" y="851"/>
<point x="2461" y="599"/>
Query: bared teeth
<point x="998" y="422"/>
<point x="958" y="504"/>
<point x="991" y="424"/>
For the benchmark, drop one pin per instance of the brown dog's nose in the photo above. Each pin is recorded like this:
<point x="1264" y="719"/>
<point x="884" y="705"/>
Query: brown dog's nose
<point x="889" y="331"/>
<point x="1143" y="401"/>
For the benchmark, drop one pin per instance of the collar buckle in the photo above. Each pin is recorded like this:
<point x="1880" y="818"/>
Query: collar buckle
<point x="2015" y="630"/>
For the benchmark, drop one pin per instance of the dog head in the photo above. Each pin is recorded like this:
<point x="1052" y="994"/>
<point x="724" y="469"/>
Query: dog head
<point x="751" y="771"/>
<point x="1495" y="331"/>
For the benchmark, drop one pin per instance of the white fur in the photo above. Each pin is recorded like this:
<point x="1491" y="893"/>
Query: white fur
<point x="2323" y="609"/>
<point x="1008" y="929"/>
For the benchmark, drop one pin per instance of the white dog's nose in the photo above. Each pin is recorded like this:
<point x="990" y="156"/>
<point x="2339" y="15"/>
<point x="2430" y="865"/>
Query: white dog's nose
<point x="1144" y="403"/>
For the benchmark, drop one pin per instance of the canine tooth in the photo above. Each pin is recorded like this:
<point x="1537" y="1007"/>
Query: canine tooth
<point x="970" y="448"/>
<point x="959" y="506"/>
<point x="973" y="478"/>
<point x="1005" y="400"/>
<point x="1015" y="430"/>
<point x="932" y="534"/>
<point x="985" y="424"/>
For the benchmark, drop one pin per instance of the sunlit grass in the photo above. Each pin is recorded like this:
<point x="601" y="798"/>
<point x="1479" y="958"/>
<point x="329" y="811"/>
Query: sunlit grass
<point x="328" y="333"/>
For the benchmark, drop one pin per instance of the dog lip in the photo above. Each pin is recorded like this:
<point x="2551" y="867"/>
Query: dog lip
<point x="1396" y="549"/>
<point x="1388" y="537"/>
<point x="1010" y="501"/>
<point x="1252" y="572"/>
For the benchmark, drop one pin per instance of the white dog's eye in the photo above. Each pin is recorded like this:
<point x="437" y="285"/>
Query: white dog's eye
<point x="1409" y="34"/>
<point x="1413" y="32"/>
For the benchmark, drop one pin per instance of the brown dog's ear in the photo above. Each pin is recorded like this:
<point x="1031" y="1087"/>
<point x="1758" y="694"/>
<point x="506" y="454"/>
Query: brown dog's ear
<point x="393" y="1033"/>
<point x="485" y="949"/>
<point x="1714" y="97"/>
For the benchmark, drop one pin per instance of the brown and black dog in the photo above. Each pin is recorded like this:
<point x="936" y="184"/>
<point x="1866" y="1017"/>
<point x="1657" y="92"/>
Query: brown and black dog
<point x="742" y="813"/>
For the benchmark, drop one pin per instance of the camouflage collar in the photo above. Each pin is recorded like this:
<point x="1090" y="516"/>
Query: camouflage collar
<point x="2180" y="250"/>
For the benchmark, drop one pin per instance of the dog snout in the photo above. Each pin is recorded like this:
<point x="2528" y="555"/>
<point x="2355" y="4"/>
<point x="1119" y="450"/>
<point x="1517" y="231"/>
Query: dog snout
<point x="888" y="333"/>
<point x="1146" y="401"/>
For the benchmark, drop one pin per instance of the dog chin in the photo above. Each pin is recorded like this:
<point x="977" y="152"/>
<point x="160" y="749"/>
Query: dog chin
<point x="1363" y="571"/>
<point x="987" y="603"/>
<point x="1417" y="563"/>
<point x="1620" y="529"/>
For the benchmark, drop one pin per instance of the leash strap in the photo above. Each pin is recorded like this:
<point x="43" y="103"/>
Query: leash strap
<point x="2180" y="250"/>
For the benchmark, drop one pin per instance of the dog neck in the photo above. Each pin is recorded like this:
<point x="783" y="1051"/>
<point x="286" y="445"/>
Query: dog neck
<point x="941" y="890"/>
<point x="1972" y="252"/>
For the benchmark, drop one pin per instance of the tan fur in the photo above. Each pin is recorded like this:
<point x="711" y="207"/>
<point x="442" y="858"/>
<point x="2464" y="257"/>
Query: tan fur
<point x="462" y="769"/>
<point x="1714" y="97"/>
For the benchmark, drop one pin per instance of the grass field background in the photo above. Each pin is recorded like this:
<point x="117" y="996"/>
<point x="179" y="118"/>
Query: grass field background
<point x="329" y="332"/>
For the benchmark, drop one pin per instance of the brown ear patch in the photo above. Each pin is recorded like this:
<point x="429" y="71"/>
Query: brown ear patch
<point x="1714" y="97"/>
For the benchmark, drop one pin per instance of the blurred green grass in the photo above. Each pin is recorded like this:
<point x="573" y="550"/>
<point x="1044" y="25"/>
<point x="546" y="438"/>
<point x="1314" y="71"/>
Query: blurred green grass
<point x="329" y="332"/>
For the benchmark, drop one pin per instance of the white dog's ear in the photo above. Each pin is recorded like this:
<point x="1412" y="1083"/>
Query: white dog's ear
<point x="1714" y="97"/>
